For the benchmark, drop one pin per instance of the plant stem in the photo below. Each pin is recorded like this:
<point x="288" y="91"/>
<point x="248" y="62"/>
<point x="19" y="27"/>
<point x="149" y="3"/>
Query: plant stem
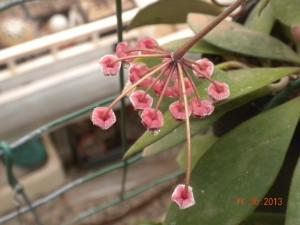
<point x="125" y="92"/>
<point x="188" y="128"/>
<point x="162" y="95"/>
<point x="181" y="51"/>
<point x="141" y="56"/>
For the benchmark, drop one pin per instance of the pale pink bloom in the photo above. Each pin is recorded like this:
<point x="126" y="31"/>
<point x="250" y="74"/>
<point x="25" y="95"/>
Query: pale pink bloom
<point x="103" y="117"/>
<point x="177" y="110"/>
<point x="203" y="68"/>
<point x="183" y="196"/>
<point x="123" y="50"/>
<point x="141" y="100"/>
<point x="148" y="43"/>
<point x="218" y="91"/>
<point x="152" y="119"/>
<point x="159" y="86"/>
<point x="188" y="88"/>
<point x="109" y="66"/>
<point x="202" y="108"/>
<point x="136" y="72"/>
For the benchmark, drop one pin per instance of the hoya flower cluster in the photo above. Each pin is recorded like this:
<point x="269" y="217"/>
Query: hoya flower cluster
<point x="163" y="80"/>
<point x="174" y="77"/>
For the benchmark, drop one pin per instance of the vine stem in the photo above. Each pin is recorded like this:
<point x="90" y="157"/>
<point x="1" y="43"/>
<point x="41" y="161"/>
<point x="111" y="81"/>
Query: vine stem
<point x="188" y="45"/>
<point x="188" y="128"/>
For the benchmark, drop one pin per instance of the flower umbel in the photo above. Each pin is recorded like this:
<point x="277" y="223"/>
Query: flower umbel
<point x="183" y="196"/>
<point x="174" y="77"/>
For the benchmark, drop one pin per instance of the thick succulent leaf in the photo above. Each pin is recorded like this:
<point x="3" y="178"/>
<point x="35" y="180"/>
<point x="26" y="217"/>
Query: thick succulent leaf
<point x="245" y="85"/>
<point x="293" y="207"/>
<point x="242" y="164"/>
<point x="200" y="144"/>
<point x="236" y="38"/>
<point x="200" y="47"/>
<point x="259" y="19"/>
<point x="287" y="11"/>
<point x="171" y="12"/>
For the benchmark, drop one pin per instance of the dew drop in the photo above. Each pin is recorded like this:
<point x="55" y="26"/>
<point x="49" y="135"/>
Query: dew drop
<point x="155" y="132"/>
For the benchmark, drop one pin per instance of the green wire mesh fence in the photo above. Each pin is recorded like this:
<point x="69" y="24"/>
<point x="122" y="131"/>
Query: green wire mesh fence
<point x="6" y="149"/>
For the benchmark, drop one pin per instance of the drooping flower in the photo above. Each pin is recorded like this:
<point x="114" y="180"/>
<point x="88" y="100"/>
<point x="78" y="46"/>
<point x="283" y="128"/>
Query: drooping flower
<point x="141" y="100"/>
<point x="202" y="108"/>
<point x="148" y="43"/>
<point x="136" y="72"/>
<point x="218" y="91"/>
<point x="152" y="119"/>
<point x="159" y="86"/>
<point x="177" y="110"/>
<point x="103" y="117"/>
<point x="123" y="50"/>
<point x="203" y="68"/>
<point x="110" y="65"/>
<point x="183" y="196"/>
<point x="188" y="88"/>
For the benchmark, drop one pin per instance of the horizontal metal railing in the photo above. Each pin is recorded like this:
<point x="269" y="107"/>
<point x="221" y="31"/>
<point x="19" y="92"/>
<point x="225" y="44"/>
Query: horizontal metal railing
<point x="53" y="42"/>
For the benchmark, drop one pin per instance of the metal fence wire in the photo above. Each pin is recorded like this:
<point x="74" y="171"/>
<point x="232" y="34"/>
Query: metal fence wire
<point x="21" y="197"/>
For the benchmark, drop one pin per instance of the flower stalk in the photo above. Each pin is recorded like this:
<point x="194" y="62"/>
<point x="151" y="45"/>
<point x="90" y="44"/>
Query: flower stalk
<point x="181" y="51"/>
<point x="188" y="128"/>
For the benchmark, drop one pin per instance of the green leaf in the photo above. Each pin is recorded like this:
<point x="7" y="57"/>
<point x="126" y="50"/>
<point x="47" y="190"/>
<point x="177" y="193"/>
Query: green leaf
<point x="293" y="207"/>
<point x="200" y="47"/>
<point x="200" y="144"/>
<point x="287" y="11"/>
<point x="245" y="85"/>
<point x="264" y="219"/>
<point x="242" y="164"/>
<point x="236" y="38"/>
<point x="171" y="12"/>
<point x="261" y="21"/>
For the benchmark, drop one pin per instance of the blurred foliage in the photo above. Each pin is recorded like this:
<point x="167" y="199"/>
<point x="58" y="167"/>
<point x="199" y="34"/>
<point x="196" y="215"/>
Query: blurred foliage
<point x="171" y="12"/>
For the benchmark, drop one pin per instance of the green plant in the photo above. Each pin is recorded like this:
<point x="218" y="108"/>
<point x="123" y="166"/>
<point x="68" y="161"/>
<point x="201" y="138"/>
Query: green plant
<point x="244" y="162"/>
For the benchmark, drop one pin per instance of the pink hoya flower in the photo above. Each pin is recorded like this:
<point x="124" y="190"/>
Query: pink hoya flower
<point x="177" y="110"/>
<point x="203" y="68"/>
<point x="202" y="108"/>
<point x="188" y="87"/>
<point x="159" y="86"/>
<point x="141" y="100"/>
<point x="183" y="196"/>
<point x="103" y="117"/>
<point x="123" y="50"/>
<point x="218" y="91"/>
<point x="110" y="65"/>
<point x="148" y="43"/>
<point x="152" y="119"/>
<point x="136" y="72"/>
